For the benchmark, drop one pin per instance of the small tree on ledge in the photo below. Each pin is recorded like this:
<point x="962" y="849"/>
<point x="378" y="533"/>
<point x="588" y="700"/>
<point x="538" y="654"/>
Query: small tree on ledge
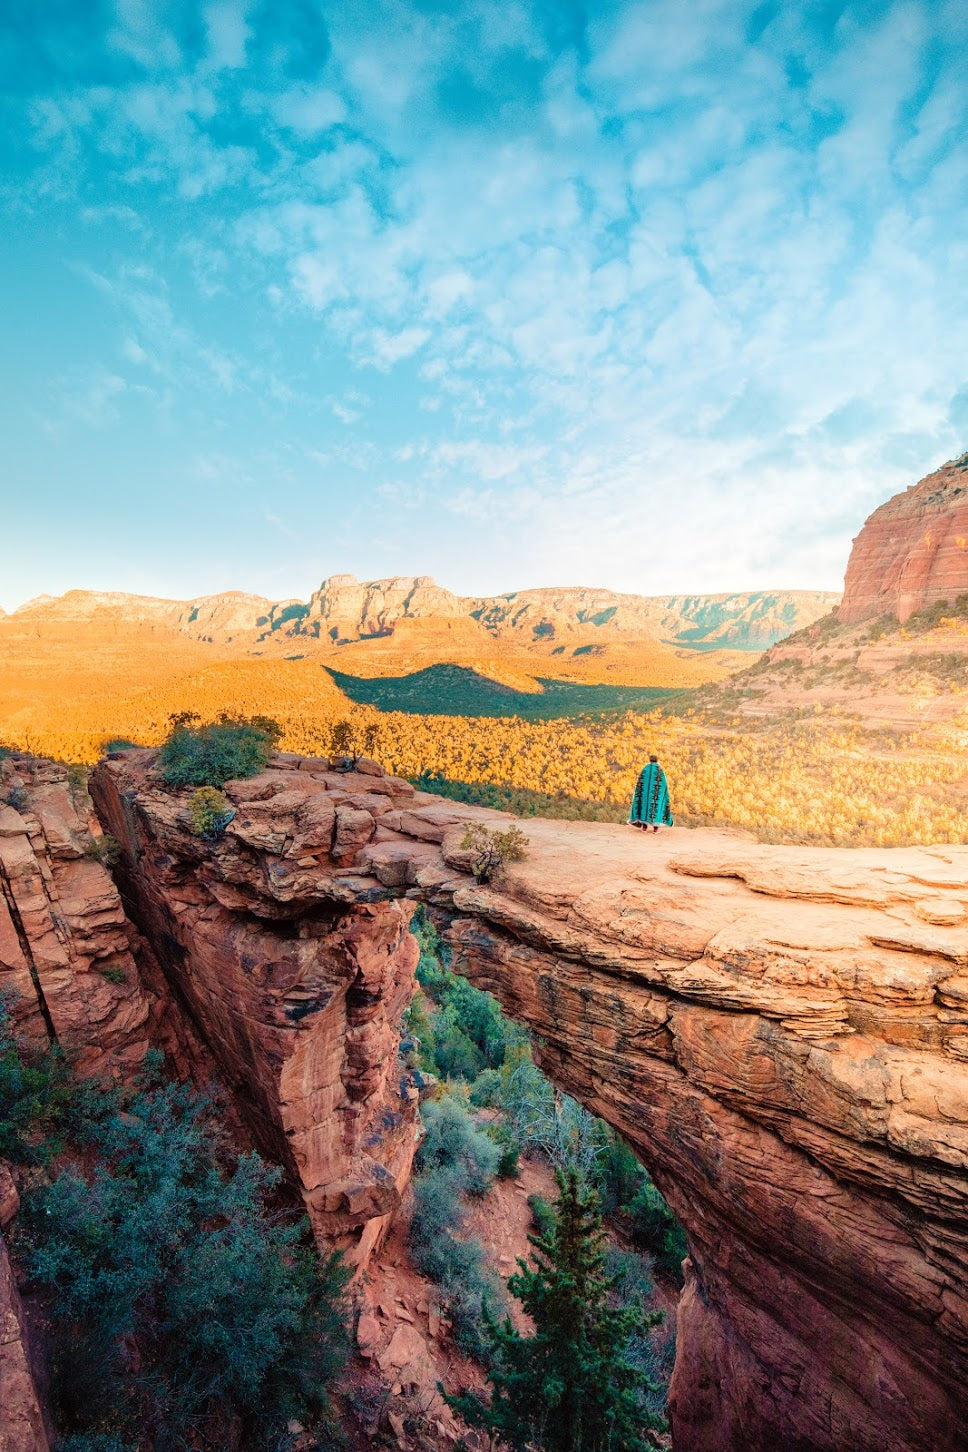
<point x="349" y="741"/>
<point x="493" y="849"/>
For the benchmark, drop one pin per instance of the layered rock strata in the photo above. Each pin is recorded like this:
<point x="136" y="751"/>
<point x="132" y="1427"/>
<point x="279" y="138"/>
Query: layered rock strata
<point x="297" y="994"/>
<point x="780" y="1033"/>
<point x="912" y="551"/>
<point x="67" y="969"/>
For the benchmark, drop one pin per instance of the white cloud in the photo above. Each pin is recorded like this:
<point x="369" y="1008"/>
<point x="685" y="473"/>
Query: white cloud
<point x="657" y="271"/>
<point x="227" y="34"/>
<point x="308" y="110"/>
<point x="389" y="348"/>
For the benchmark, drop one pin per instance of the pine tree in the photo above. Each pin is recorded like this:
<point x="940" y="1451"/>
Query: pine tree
<point x="570" y="1387"/>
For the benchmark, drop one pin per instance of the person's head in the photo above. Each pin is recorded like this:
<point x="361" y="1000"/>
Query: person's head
<point x="655" y="759"/>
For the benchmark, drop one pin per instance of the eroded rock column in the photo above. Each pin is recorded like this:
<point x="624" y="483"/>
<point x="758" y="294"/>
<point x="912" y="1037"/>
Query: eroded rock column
<point x="297" y="997"/>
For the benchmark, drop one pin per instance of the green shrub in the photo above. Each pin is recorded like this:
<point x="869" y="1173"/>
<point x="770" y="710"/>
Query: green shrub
<point x="178" y="1304"/>
<point x="509" y="1150"/>
<point x="210" y="812"/>
<point x="631" y="1275"/>
<point x="453" y="1142"/>
<point x="493" y="849"/>
<point x="618" y="1175"/>
<point x="656" y="1228"/>
<point x="652" y="1349"/>
<point x="104" y="849"/>
<point x="456" y="1265"/>
<point x="465" y="1031"/>
<point x="455" y="1159"/>
<point x="486" y="1089"/>
<point x="542" y="1215"/>
<point x="113" y="974"/>
<point x="210" y="756"/>
<point x="94" y="1442"/>
<point x="117" y="743"/>
<point x="34" y="1095"/>
<point x="16" y="797"/>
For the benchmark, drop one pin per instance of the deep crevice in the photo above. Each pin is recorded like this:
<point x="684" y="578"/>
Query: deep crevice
<point x="24" y="941"/>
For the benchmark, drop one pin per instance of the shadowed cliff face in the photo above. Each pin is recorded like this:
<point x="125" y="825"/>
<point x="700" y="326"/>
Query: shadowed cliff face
<point x="781" y="1033"/>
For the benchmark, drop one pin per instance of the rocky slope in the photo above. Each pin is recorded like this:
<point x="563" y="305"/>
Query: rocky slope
<point x="912" y="551"/>
<point x="345" y="609"/>
<point x="781" y="1033"/>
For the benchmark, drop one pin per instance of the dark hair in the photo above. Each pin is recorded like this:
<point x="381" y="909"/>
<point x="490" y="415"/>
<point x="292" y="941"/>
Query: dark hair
<point x="655" y="759"/>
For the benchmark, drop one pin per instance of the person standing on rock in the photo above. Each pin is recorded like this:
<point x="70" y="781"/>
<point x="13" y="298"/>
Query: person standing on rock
<point x="650" y="802"/>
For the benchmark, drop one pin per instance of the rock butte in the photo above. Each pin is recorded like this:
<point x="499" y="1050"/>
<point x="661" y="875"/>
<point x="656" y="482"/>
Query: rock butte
<point x="781" y="1033"/>
<point x="912" y="551"/>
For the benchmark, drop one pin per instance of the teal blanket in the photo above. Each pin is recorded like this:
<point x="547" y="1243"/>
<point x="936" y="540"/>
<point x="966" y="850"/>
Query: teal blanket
<point x="651" y="800"/>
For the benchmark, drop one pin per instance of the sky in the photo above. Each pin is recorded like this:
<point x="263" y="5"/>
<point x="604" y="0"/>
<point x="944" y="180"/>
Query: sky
<point x="654" y="296"/>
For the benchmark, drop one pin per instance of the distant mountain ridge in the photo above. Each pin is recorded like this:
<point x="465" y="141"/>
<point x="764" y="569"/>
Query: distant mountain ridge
<point x="345" y="610"/>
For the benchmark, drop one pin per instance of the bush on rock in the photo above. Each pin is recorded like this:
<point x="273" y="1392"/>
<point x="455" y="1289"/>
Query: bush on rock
<point x="209" y="756"/>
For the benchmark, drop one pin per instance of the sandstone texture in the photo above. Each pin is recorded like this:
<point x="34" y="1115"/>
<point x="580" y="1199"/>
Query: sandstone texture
<point x="781" y="1033"/>
<point x="67" y="968"/>
<point x="296" y="990"/>
<point x="778" y="1033"/>
<point x="913" y="550"/>
<point x="21" y="1420"/>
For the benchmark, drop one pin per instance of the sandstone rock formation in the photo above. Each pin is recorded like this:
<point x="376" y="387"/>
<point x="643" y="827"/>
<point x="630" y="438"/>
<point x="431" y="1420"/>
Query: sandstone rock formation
<point x="781" y="1034"/>
<point x="66" y="963"/>
<point x="298" y="1000"/>
<point x="21" y="1419"/>
<point x="912" y="551"/>
<point x="345" y="609"/>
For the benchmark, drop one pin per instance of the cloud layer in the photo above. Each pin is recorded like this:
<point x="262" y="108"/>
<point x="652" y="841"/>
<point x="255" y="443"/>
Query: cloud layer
<point x="646" y="295"/>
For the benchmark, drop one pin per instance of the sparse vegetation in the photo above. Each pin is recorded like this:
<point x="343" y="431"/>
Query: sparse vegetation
<point x="929" y="617"/>
<point x="210" y="812"/>
<point x="104" y="849"/>
<point x="209" y="756"/>
<point x="77" y="783"/>
<point x="493" y="848"/>
<point x="350" y="740"/>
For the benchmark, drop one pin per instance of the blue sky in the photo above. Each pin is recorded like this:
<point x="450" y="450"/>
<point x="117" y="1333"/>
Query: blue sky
<point x="661" y="296"/>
